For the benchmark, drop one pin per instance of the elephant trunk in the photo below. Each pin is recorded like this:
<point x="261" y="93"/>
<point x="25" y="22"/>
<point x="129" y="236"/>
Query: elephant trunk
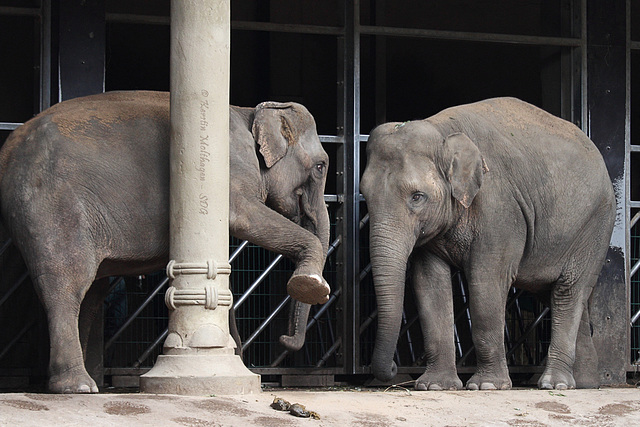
<point x="389" y="257"/>
<point x="315" y="218"/>
<point x="316" y="221"/>
<point x="323" y="224"/>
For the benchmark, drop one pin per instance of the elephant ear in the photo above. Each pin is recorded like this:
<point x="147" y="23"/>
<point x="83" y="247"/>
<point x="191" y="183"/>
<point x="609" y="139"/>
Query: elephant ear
<point x="273" y="131"/>
<point x="464" y="167"/>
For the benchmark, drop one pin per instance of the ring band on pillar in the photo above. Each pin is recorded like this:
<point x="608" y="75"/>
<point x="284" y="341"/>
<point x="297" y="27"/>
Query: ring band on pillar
<point x="209" y="296"/>
<point x="210" y="268"/>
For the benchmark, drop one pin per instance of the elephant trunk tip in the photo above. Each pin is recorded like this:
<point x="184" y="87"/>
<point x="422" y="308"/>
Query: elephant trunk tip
<point x="385" y="374"/>
<point x="292" y="343"/>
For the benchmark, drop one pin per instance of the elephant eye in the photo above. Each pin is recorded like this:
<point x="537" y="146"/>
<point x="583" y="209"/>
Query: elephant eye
<point x="418" y="196"/>
<point x="320" y="167"/>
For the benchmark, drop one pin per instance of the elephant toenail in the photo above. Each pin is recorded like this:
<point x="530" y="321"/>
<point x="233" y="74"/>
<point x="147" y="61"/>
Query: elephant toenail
<point x="487" y="386"/>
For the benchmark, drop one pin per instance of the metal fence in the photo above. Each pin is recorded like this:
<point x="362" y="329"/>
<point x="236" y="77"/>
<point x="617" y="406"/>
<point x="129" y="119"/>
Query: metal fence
<point x="136" y="321"/>
<point x="635" y="291"/>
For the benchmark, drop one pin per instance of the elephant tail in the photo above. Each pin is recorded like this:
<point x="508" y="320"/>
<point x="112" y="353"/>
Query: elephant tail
<point x="13" y="272"/>
<point x="233" y="330"/>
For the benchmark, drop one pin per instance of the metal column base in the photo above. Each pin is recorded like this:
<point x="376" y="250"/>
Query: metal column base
<point x="199" y="375"/>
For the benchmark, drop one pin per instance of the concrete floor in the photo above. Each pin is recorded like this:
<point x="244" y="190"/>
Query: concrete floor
<point x="349" y="406"/>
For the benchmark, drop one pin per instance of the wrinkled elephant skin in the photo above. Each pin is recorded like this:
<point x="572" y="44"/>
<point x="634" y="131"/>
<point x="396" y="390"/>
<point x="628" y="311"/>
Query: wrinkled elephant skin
<point x="511" y="196"/>
<point x="84" y="190"/>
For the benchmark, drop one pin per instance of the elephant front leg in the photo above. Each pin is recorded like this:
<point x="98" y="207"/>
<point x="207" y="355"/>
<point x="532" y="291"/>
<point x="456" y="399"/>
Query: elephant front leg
<point x="265" y="227"/>
<point x="432" y="283"/>
<point x="487" y="301"/>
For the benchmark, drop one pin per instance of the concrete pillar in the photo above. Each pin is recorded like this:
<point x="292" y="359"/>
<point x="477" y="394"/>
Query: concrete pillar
<point x="198" y="356"/>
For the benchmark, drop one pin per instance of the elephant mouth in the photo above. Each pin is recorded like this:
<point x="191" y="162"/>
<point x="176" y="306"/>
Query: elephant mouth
<point x="300" y="213"/>
<point x="305" y="217"/>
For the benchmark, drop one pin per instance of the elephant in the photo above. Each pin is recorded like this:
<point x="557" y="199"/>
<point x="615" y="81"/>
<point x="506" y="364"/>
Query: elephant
<point x="507" y="194"/>
<point x="84" y="193"/>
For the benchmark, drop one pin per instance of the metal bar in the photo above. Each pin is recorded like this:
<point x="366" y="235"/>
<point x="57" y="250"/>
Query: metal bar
<point x="9" y="125"/>
<point x="127" y="18"/>
<point x="634" y="269"/>
<point x="472" y="348"/>
<point x="466" y="354"/>
<point x="507" y="337"/>
<point x="237" y="252"/>
<point x="528" y="331"/>
<point x="257" y="282"/>
<point x="405" y="330"/>
<point x="634" y="220"/>
<point x="310" y="324"/>
<point x="635" y="45"/>
<point x="380" y="61"/>
<point x="15" y="286"/>
<point x="365" y="29"/>
<point x="470" y="36"/>
<point x="456" y="337"/>
<point x="81" y="59"/>
<point x="584" y="116"/>
<point x="634" y="148"/>
<point x="635" y="318"/>
<point x="363" y="326"/>
<point x="150" y="349"/>
<point x="333" y="246"/>
<point x="287" y="28"/>
<point x="336" y="345"/>
<point x="521" y="326"/>
<point x="135" y="314"/>
<point x="5" y="245"/>
<point x="45" y="56"/>
<point x="19" y="11"/>
<point x="321" y="340"/>
<point x="350" y="185"/>
<point x="465" y="300"/>
<point x="16" y="338"/>
<point x="295" y="371"/>
<point x="324" y="308"/>
<point x="330" y="139"/>
<point x="265" y="323"/>
<point x="634" y="204"/>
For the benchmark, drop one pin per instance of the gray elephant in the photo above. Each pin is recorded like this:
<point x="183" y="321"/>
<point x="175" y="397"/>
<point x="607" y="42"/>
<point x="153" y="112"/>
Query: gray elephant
<point x="511" y="196"/>
<point x="84" y="190"/>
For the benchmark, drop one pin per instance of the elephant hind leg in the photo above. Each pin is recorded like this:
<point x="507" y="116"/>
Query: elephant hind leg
<point x="569" y="322"/>
<point x="585" y="367"/>
<point x="61" y="285"/>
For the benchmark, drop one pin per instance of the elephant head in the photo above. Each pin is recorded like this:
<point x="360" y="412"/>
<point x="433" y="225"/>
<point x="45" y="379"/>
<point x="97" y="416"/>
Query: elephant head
<point x="417" y="183"/>
<point x="295" y="165"/>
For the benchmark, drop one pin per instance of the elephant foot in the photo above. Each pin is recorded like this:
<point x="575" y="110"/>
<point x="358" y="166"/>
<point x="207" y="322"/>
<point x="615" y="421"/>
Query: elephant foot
<point x="75" y="380"/>
<point x="292" y="343"/>
<point x="308" y="288"/>
<point x="489" y="381"/>
<point x="555" y="379"/>
<point x="436" y="381"/>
